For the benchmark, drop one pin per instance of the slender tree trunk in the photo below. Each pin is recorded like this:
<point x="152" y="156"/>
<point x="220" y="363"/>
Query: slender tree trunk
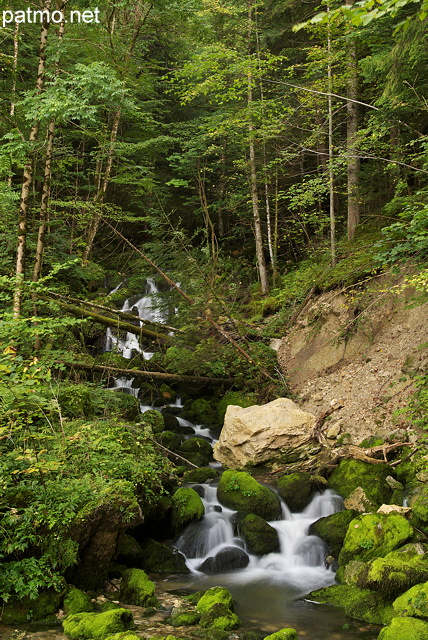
<point x="261" y="262"/>
<point x="28" y="177"/>
<point x="330" y="152"/>
<point x="353" y="163"/>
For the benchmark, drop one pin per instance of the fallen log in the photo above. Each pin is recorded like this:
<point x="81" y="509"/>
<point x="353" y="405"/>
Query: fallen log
<point x="115" y="323"/>
<point x="154" y="375"/>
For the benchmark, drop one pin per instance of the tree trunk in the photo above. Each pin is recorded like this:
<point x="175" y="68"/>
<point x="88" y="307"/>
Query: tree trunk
<point x="28" y="177"/>
<point x="330" y="152"/>
<point x="352" y="128"/>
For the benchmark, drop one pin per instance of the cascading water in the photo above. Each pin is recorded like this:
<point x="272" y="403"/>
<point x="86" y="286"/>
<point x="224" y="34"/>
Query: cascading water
<point x="268" y="591"/>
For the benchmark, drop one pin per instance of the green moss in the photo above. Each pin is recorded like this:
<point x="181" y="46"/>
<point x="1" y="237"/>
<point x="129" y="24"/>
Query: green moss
<point x="187" y="506"/>
<point x="351" y="474"/>
<point x="374" y="535"/>
<point x="372" y="441"/>
<point x="137" y="589"/>
<point x="128" y="551"/>
<point x="76" y="601"/>
<point x="296" y="489"/>
<point x="153" y="419"/>
<point x="259" y="537"/>
<point x="283" y="634"/>
<point x="197" y="450"/>
<point x="112" y="359"/>
<point x="361" y="604"/>
<point x="118" y="404"/>
<point x="238" y="490"/>
<point x="332" y="529"/>
<point x="215" y="595"/>
<point x="75" y="401"/>
<point x="194" y="598"/>
<point x="405" y="629"/>
<point x="201" y="411"/>
<point x="418" y="501"/>
<point x="108" y="606"/>
<point x="96" y="626"/>
<point x="123" y="635"/>
<point x="236" y="398"/>
<point x="170" y="440"/>
<point x="185" y="618"/>
<point x="399" y="570"/>
<point x="160" y="558"/>
<point x="413" y="602"/>
<point x="199" y="476"/>
<point x="219" y="617"/>
<point x="25" y="609"/>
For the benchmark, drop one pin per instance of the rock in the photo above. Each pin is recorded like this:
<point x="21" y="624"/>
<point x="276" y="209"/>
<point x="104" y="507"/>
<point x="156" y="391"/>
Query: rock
<point x="201" y="411"/>
<point x="128" y="552"/>
<point x="361" y="604"/>
<point x="406" y="629"/>
<point x="153" y="419"/>
<point x="187" y="506"/>
<point x="159" y="558"/>
<point x="374" y="535"/>
<point x="332" y="529"/>
<point x="259" y="537"/>
<point x="76" y="601"/>
<point x="228" y="559"/>
<point x="236" y="398"/>
<point x="238" y="490"/>
<point x="184" y="618"/>
<point x="256" y="434"/>
<point x="351" y="474"/>
<point x="413" y="603"/>
<point x="358" y="501"/>
<point x="296" y="489"/>
<point x="170" y="440"/>
<point x="418" y="501"/>
<point x="171" y="422"/>
<point x="219" y="617"/>
<point x="394" y="508"/>
<point x="200" y="476"/>
<point x="283" y="634"/>
<point x="137" y="589"/>
<point x="197" y="450"/>
<point x="333" y="431"/>
<point x="96" y="626"/>
<point x="215" y="595"/>
<point x="399" y="570"/>
<point x="24" y="610"/>
<point x="393" y="483"/>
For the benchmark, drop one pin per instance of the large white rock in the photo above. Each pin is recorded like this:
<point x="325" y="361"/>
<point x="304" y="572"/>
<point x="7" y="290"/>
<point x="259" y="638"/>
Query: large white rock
<point x="259" y="433"/>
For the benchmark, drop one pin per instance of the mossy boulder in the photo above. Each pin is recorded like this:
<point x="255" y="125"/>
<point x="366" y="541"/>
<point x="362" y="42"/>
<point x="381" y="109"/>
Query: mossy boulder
<point x="374" y="535"/>
<point x="237" y="398"/>
<point x="118" y="404"/>
<point x="219" y="617"/>
<point x="197" y="450"/>
<point x="128" y="551"/>
<point x="112" y="359"/>
<point x="413" y="602"/>
<point x="418" y="501"/>
<point x="24" y="610"/>
<point x="238" y="490"/>
<point x="108" y="605"/>
<point x="199" y="476"/>
<point x="124" y="635"/>
<point x="77" y="601"/>
<point x="227" y="559"/>
<point x="137" y="589"/>
<point x="171" y="422"/>
<point x="154" y="420"/>
<point x="259" y="537"/>
<point x="283" y="634"/>
<point x="75" y="401"/>
<point x="215" y="595"/>
<point x="332" y="529"/>
<point x="159" y="558"/>
<point x="184" y="618"/>
<point x="361" y="604"/>
<point x="170" y="440"/>
<point x="405" y="629"/>
<point x="168" y="394"/>
<point x="399" y="570"/>
<point x="96" y="626"/>
<point x="296" y="489"/>
<point x="187" y="506"/>
<point x="201" y="411"/>
<point x="351" y="474"/>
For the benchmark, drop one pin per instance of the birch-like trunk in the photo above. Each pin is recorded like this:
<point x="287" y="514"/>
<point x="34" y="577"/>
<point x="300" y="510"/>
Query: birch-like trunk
<point x="353" y="161"/>
<point x="330" y="151"/>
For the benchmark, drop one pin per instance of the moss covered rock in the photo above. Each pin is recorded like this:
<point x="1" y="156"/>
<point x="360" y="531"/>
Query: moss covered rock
<point x="118" y="404"/>
<point x="219" y="617"/>
<point x="77" y="601"/>
<point x="154" y="420"/>
<point x="238" y="490"/>
<point x="137" y="589"/>
<point x="296" y="489"/>
<point x="283" y="634"/>
<point x="413" y="602"/>
<point x="332" y="529"/>
<point x="237" y="398"/>
<point x="75" y="401"/>
<point x="187" y="506"/>
<point x="124" y="635"/>
<point x="170" y="440"/>
<point x="184" y="618"/>
<point x="361" y="604"/>
<point x="215" y="595"/>
<point x="259" y="537"/>
<point x="418" y="501"/>
<point x="46" y="604"/>
<point x="399" y="570"/>
<point x="96" y="626"/>
<point x="374" y="535"/>
<point x="197" y="450"/>
<point x="160" y="558"/>
<point x="199" y="476"/>
<point x="128" y="551"/>
<point x="201" y="411"/>
<point x="351" y="474"/>
<point x="405" y="629"/>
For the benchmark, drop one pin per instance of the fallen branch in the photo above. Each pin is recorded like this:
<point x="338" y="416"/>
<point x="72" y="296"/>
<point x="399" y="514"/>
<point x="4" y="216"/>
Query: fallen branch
<point x="154" y="375"/>
<point x="409" y="455"/>
<point x="171" y="453"/>
<point x="316" y="429"/>
<point x="352" y="451"/>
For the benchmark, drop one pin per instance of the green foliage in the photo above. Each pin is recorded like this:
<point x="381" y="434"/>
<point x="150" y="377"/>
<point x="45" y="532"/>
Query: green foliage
<point x="407" y="238"/>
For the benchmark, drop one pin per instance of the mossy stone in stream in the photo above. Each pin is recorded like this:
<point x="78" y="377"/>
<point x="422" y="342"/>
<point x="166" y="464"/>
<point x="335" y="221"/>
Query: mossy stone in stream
<point x="239" y="491"/>
<point x="128" y="551"/>
<point x="123" y="635"/>
<point x="77" y="601"/>
<point x="197" y="450"/>
<point x="170" y="440"/>
<point x="24" y="610"/>
<point x="215" y="595"/>
<point x="413" y="602"/>
<point x="184" y="618"/>
<point x="351" y="474"/>
<point x="219" y="617"/>
<point x="399" y="570"/>
<point x="236" y="398"/>
<point x="153" y="419"/>
<point x="187" y="506"/>
<point x="405" y="629"/>
<point x="97" y="626"/>
<point x="418" y="501"/>
<point x="108" y="606"/>
<point x="361" y="604"/>
<point x="296" y="489"/>
<point x="160" y="558"/>
<point x="199" y="476"/>
<point x="201" y="411"/>
<point x="136" y="588"/>
<point x="283" y="634"/>
<point x="374" y="535"/>
<point x="259" y="537"/>
<point x="332" y="529"/>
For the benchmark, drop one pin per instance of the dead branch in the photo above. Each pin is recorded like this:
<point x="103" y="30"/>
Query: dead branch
<point x="316" y="432"/>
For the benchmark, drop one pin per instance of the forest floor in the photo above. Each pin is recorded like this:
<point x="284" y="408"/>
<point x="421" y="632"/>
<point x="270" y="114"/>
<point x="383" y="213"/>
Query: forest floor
<point x="361" y="351"/>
